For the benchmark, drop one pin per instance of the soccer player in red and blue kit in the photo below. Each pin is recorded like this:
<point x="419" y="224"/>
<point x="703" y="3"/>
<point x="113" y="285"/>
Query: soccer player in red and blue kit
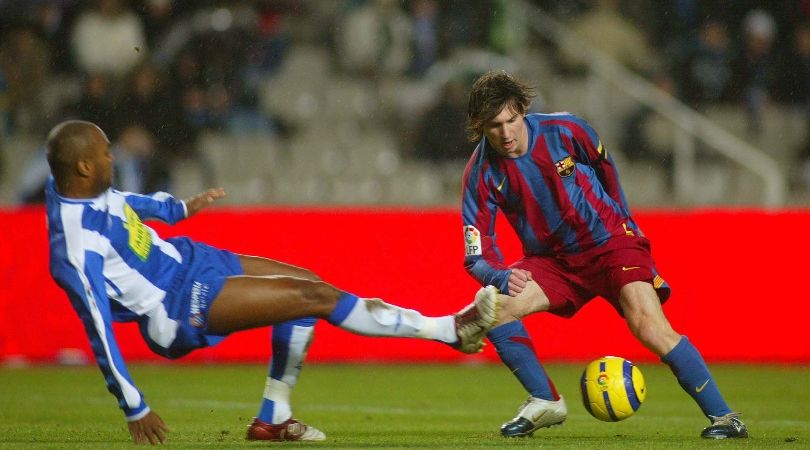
<point x="558" y="187"/>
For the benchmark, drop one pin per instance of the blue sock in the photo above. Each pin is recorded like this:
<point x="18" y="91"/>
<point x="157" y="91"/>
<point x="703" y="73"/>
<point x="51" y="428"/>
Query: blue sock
<point x="344" y="306"/>
<point x="694" y="377"/>
<point x="516" y="350"/>
<point x="290" y="343"/>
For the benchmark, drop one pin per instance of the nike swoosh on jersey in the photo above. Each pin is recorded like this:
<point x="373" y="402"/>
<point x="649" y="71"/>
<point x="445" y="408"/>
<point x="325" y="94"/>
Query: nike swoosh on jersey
<point x="630" y="268"/>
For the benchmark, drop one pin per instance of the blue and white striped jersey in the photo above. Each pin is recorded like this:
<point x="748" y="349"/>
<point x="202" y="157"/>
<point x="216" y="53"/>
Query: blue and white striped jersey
<point x="116" y="269"/>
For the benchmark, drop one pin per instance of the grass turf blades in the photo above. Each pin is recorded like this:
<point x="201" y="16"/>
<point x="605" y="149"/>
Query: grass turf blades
<point x="389" y="406"/>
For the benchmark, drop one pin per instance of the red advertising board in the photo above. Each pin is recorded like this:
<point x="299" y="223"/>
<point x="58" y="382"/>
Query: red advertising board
<point x="737" y="277"/>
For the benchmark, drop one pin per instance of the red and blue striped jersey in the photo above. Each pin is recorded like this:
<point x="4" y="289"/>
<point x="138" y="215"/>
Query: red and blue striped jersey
<point x="561" y="196"/>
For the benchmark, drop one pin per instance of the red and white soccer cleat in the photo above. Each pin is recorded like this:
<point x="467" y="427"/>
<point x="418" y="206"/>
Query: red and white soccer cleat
<point x="474" y="321"/>
<point x="291" y="430"/>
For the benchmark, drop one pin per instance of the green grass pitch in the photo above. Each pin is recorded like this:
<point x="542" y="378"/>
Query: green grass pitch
<point x="390" y="406"/>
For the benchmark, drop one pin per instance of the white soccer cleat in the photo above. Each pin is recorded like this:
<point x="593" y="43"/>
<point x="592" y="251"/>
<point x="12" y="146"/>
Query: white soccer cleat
<point x="476" y="319"/>
<point x="535" y="413"/>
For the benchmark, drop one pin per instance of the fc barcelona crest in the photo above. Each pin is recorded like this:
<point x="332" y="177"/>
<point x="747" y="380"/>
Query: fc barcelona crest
<point x="565" y="167"/>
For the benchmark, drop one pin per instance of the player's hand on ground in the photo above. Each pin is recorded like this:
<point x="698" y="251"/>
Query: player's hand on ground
<point x="197" y="202"/>
<point x="149" y="429"/>
<point x="518" y="280"/>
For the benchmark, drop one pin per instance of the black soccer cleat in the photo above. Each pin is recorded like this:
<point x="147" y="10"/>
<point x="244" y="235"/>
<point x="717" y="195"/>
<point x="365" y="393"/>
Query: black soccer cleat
<point x="728" y="426"/>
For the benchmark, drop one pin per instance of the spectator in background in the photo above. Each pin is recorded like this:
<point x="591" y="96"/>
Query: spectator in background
<point x="803" y="168"/>
<point x="5" y="103"/>
<point x="96" y="102"/>
<point x="161" y="113"/>
<point x="641" y="137"/>
<point x="53" y="20"/>
<point x="508" y="29"/>
<point x="754" y="71"/>
<point x="25" y="61"/>
<point x="270" y="39"/>
<point x="133" y="151"/>
<point x="465" y="25"/>
<point x="425" y="19"/>
<point x="187" y="88"/>
<point x="794" y="87"/>
<point x="25" y="66"/>
<point x="705" y="74"/>
<point x="374" y="39"/>
<point x="441" y="133"/>
<point x="795" y="90"/>
<point x="158" y="16"/>
<point x="150" y="107"/>
<point x="605" y="28"/>
<point x="108" y="38"/>
<point x="33" y="176"/>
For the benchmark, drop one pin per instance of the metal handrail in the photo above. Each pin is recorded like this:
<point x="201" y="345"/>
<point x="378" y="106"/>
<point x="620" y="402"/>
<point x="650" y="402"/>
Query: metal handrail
<point x="693" y="124"/>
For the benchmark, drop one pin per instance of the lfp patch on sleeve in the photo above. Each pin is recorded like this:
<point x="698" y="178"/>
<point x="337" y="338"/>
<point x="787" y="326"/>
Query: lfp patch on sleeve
<point x="472" y="240"/>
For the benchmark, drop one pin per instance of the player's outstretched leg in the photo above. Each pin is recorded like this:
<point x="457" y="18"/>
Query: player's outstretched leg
<point x="464" y="331"/>
<point x="250" y="302"/>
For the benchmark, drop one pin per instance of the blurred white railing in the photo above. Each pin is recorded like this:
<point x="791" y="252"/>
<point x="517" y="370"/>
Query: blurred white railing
<point x="692" y="124"/>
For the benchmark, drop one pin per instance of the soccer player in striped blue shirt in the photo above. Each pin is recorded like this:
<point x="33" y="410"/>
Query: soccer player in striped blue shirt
<point x="558" y="188"/>
<point x="186" y="295"/>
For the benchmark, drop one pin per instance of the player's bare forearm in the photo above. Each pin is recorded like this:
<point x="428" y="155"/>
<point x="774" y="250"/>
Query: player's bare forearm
<point x="196" y="203"/>
<point x="149" y="429"/>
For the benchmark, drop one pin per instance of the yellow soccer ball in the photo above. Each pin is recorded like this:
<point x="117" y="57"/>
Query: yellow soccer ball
<point x="612" y="388"/>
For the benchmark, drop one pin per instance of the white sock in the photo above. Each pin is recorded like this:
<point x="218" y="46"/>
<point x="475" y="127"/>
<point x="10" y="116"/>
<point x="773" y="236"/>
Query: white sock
<point x="278" y="392"/>
<point x="374" y="317"/>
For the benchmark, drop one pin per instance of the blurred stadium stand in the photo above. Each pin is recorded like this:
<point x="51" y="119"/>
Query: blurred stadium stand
<point x="320" y="133"/>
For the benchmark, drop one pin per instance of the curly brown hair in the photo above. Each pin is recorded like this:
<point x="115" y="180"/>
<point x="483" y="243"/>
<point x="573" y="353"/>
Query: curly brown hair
<point x="490" y="93"/>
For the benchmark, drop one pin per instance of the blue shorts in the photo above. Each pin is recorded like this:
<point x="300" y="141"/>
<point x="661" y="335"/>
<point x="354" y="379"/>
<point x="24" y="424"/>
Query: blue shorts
<point x="189" y="299"/>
